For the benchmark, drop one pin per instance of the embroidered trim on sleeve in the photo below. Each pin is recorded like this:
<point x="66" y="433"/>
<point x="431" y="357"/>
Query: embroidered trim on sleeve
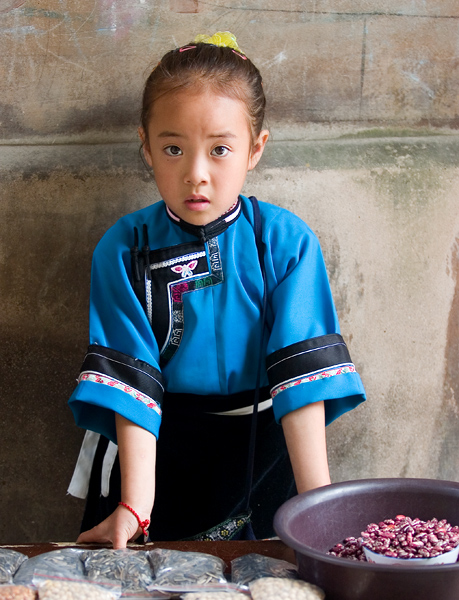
<point x="119" y="385"/>
<point x="121" y="371"/>
<point x="310" y="360"/>
<point x="342" y="370"/>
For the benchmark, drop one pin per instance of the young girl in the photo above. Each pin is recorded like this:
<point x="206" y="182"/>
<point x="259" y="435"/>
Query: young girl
<point x="175" y="325"/>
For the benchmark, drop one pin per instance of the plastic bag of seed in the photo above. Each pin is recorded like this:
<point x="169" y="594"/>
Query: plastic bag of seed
<point x="275" y="588"/>
<point x="17" y="592"/>
<point x="216" y="596"/>
<point x="249" y="567"/>
<point x="132" y="568"/>
<point x="64" y="563"/>
<point x="180" y="572"/>
<point x="60" y="589"/>
<point x="10" y="561"/>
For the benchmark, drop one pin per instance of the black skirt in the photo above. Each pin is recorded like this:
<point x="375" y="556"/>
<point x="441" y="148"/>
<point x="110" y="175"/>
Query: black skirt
<point x="201" y="468"/>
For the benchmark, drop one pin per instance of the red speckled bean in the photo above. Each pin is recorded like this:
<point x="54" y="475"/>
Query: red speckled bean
<point x="401" y="537"/>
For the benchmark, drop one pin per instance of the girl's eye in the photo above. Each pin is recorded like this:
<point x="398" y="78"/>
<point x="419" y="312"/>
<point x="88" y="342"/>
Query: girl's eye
<point x="173" y="150"/>
<point x="220" y="151"/>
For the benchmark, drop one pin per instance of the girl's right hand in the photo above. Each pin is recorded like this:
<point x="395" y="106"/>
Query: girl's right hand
<point x="119" y="528"/>
<point x="137" y="453"/>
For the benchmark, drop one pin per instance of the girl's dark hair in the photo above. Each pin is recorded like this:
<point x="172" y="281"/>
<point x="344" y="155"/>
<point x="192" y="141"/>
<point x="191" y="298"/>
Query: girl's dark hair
<point x="222" y="69"/>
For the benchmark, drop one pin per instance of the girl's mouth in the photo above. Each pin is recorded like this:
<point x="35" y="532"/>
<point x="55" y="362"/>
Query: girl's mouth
<point x="196" y="202"/>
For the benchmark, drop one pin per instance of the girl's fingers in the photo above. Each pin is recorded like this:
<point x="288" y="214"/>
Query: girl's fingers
<point x="117" y="529"/>
<point x="95" y="535"/>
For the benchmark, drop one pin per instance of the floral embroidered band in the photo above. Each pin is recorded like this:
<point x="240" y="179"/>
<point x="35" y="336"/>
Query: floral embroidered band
<point x="342" y="370"/>
<point x="119" y="385"/>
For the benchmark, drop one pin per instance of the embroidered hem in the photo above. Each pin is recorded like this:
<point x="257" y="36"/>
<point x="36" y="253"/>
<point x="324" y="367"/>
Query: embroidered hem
<point x="119" y="385"/>
<point x="306" y="378"/>
<point x="225" y="530"/>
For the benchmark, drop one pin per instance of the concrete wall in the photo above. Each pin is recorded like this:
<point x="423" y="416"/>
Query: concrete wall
<point x="363" y="109"/>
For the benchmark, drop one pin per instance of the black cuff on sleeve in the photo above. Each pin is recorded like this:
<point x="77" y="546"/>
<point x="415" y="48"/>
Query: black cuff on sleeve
<point x="130" y="371"/>
<point x="305" y="357"/>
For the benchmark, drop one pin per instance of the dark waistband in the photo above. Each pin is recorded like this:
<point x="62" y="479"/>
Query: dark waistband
<point x="213" y="403"/>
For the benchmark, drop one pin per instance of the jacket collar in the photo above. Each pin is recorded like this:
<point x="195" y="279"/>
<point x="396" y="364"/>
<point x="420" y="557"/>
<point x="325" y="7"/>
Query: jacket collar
<point x="206" y="232"/>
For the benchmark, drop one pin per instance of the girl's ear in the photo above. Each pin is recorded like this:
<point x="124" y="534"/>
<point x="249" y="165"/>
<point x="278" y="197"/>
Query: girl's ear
<point x="258" y="148"/>
<point x="145" y="146"/>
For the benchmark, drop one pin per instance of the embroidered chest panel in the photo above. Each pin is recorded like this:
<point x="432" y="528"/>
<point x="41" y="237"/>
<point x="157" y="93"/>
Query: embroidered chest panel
<point x="174" y="272"/>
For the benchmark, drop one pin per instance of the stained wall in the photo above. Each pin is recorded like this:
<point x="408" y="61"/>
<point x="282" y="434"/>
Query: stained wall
<point x="363" y="112"/>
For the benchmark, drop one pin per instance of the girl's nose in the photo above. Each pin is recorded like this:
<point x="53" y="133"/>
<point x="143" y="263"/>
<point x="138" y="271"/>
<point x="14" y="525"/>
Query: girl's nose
<point x="196" y="171"/>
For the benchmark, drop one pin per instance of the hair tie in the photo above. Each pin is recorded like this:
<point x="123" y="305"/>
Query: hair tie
<point x="185" y="48"/>
<point x="240" y="54"/>
<point x="224" y="39"/>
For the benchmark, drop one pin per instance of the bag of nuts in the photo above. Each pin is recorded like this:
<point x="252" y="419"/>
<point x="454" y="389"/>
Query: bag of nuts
<point x="131" y="568"/>
<point x="180" y="572"/>
<point x="249" y="567"/>
<point x="10" y="561"/>
<point x="17" y="592"/>
<point x="64" y="563"/>
<point x="215" y="596"/>
<point x="275" y="588"/>
<point x="53" y="589"/>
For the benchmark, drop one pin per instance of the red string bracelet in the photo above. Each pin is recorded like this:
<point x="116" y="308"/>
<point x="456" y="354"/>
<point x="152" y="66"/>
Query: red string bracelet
<point x="142" y="524"/>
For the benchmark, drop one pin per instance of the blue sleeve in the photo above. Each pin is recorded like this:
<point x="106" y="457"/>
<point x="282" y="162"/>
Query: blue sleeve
<point x="307" y="359"/>
<point x="121" y="371"/>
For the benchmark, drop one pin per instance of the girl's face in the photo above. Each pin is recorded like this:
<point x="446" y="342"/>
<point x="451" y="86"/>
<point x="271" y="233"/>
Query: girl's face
<point x="199" y="146"/>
